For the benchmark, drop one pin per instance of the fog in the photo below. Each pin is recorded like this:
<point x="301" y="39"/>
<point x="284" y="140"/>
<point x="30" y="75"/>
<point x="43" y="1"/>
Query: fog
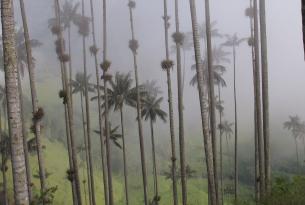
<point x="285" y="56"/>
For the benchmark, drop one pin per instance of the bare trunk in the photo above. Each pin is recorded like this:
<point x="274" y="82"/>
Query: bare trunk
<point x="140" y="128"/>
<point x="258" y="104"/>
<point x="180" y="111"/>
<point x="35" y="108"/>
<point x="21" y="194"/>
<point x="220" y="146"/>
<point x="297" y="153"/>
<point x="86" y="147"/>
<point x="155" y="172"/>
<point x="235" y="132"/>
<point x="265" y="94"/>
<point x="204" y="109"/>
<point x="211" y="95"/>
<point x="170" y="111"/>
<point x="124" y="157"/>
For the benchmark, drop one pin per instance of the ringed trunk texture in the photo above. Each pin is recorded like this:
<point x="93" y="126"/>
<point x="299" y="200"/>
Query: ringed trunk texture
<point x="204" y="109"/>
<point x="170" y="111"/>
<point x="155" y="172"/>
<point x="21" y="194"/>
<point x="140" y="128"/>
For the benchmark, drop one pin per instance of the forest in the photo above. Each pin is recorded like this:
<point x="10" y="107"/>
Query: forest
<point x="168" y="102"/>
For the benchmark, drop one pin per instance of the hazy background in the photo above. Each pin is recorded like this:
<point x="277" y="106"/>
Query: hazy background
<point x="286" y="58"/>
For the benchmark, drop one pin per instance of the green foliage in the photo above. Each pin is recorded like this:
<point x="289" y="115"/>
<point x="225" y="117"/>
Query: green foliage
<point x="46" y="197"/>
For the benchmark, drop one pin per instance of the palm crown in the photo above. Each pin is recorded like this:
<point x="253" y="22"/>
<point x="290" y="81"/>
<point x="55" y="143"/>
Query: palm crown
<point x="79" y="84"/>
<point x="151" y="109"/>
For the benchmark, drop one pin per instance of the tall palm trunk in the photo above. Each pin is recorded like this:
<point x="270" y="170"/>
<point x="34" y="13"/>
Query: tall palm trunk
<point x="220" y="148"/>
<point x="35" y="108"/>
<point x="265" y="94"/>
<point x="25" y="140"/>
<point x="258" y="108"/>
<point x="211" y="94"/>
<point x="70" y="61"/>
<point x="256" y="156"/>
<point x="235" y="131"/>
<point x="13" y="102"/>
<point x="170" y="110"/>
<point x="99" y="103"/>
<point x="203" y="108"/>
<point x="124" y="157"/>
<point x="180" y="111"/>
<point x="155" y="172"/>
<point x="297" y="152"/>
<point x="86" y="147"/>
<point x="69" y="111"/>
<point x="140" y="128"/>
<point x="3" y="166"/>
<point x="107" y="128"/>
<point x="92" y="194"/>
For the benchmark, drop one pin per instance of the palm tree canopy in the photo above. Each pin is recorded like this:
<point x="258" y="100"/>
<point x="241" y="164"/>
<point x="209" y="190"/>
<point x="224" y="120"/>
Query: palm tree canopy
<point x="114" y="135"/>
<point x="121" y="91"/>
<point x="21" y="50"/>
<point x="68" y="14"/>
<point x="151" y="88"/>
<point x="214" y="31"/>
<point x="151" y="109"/>
<point x="79" y="83"/>
<point x="294" y="125"/>
<point x="226" y="128"/>
<point x="233" y="40"/>
<point x="218" y="72"/>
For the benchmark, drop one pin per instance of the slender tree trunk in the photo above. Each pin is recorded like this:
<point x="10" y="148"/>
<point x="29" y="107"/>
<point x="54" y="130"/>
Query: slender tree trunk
<point x="25" y="140"/>
<point x="256" y="156"/>
<point x="70" y="61"/>
<point x="297" y="153"/>
<point x="35" y="108"/>
<point x="258" y="104"/>
<point x="88" y="115"/>
<point x="140" y="128"/>
<point x="211" y="94"/>
<point x="21" y="194"/>
<point x="204" y="109"/>
<point x="69" y="111"/>
<point x="265" y="94"/>
<point x="155" y="172"/>
<point x="85" y="193"/>
<point x="3" y="166"/>
<point x="99" y="103"/>
<point x="86" y="147"/>
<point x="180" y="111"/>
<point x="124" y="157"/>
<point x="235" y="131"/>
<point x="107" y="124"/>
<point x="221" y="146"/>
<point x="170" y="110"/>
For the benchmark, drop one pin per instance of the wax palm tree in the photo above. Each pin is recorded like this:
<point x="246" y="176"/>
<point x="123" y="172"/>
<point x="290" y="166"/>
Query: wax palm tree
<point x="151" y="111"/>
<point x="11" y="81"/>
<point x="94" y="52"/>
<point x="133" y="45"/>
<point x="66" y="95"/>
<point x="167" y="65"/>
<point x="114" y="135"/>
<point x="233" y="42"/>
<point x="204" y="107"/>
<point x="227" y="130"/>
<point x="82" y="23"/>
<point x="178" y="38"/>
<point x="36" y="110"/>
<point x="265" y="93"/>
<point x="121" y="92"/>
<point x="78" y="86"/>
<point x="294" y="125"/>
